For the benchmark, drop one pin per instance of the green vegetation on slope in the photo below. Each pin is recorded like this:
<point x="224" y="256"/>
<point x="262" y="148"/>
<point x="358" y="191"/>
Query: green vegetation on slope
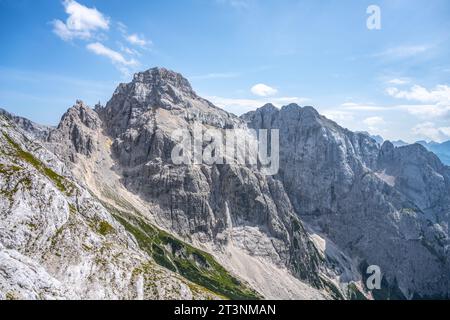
<point x="13" y="173"/>
<point x="193" y="264"/>
<point x="60" y="182"/>
<point x="104" y="228"/>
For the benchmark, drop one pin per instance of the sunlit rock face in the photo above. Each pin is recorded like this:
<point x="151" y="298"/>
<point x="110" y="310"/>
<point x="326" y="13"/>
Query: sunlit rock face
<point x="383" y="205"/>
<point x="82" y="204"/>
<point x="57" y="241"/>
<point x="209" y="202"/>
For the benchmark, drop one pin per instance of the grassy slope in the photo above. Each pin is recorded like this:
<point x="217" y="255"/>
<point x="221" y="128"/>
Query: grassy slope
<point x="193" y="264"/>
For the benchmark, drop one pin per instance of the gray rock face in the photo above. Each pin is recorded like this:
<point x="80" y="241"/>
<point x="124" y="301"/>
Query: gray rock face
<point x="387" y="207"/>
<point x="212" y="205"/>
<point x="311" y="144"/>
<point x="36" y="130"/>
<point x="78" y="125"/>
<point x="340" y="200"/>
<point x="442" y="150"/>
<point x="142" y="114"/>
<point x="58" y="242"/>
<point x="420" y="176"/>
<point x="200" y="201"/>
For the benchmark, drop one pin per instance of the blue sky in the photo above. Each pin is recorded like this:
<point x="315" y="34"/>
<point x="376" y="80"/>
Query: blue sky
<point x="239" y="54"/>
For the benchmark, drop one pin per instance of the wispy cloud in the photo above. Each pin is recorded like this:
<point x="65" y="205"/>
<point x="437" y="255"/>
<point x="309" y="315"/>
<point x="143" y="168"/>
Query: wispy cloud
<point x="82" y="22"/>
<point x="425" y="111"/>
<point x="374" y="123"/>
<point x="431" y="131"/>
<point x="399" y="81"/>
<point x="339" y="115"/>
<point x="403" y="51"/>
<point x="115" y="57"/>
<point x="137" y="40"/>
<point x="134" y="39"/>
<point x="129" y="51"/>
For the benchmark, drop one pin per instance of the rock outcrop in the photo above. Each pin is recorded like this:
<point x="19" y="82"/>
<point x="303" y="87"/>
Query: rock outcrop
<point x="37" y="131"/>
<point x="383" y="206"/>
<point x="59" y="242"/>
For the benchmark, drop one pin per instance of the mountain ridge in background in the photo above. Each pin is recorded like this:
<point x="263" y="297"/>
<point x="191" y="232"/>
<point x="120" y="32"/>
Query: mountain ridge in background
<point x="442" y="150"/>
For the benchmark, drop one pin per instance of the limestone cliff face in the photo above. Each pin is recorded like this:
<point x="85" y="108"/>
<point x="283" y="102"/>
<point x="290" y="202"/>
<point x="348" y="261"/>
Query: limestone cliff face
<point x="57" y="241"/>
<point x="420" y="175"/>
<point x="77" y="131"/>
<point x="385" y="206"/>
<point x="340" y="202"/>
<point x="127" y="145"/>
<point x="142" y="115"/>
<point x="211" y="203"/>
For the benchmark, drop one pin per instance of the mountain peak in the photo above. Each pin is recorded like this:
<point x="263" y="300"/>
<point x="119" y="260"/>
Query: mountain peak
<point x="162" y="77"/>
<point x="80" y="113"/>
<point x="296" y="108"/>
<point x="155" y="87"/>
<point x="268" y="107"/>
<point x="291" y="106"/>
<point x="311" y="110"/>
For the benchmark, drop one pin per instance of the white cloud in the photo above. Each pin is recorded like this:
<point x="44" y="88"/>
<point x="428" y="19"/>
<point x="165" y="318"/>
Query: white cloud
<point x="116" y="58"/>
<point x="122" y="27"/>
<point x="373" y="122"/>
<point x="129" y="51"/>
<point x="430" y="131"/>
<point x="434" y="102"/>
<point x="87" y="24"/>
<point x="440" y="93"/>
<point x="82" y="23"/>
<point x="398" y="81"/>
<point x="263" y="90"/>
<point x="136" y="40"/>
<point x="339" y="116"/>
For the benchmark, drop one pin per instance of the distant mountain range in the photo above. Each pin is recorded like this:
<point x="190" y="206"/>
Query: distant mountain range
<point x="442" y="150"/>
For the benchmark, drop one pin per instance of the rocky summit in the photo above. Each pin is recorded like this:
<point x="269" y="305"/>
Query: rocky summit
<point x="95" y="208"/>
